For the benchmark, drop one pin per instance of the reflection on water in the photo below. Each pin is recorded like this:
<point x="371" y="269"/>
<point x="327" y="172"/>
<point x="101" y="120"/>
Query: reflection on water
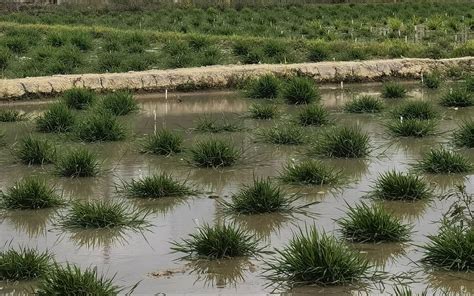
<point x="133" y="255"/>
<point x="451" y="283"/>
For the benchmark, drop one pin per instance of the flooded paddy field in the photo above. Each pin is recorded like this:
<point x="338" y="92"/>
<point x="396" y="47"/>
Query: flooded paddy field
<point x="145" y="257"/>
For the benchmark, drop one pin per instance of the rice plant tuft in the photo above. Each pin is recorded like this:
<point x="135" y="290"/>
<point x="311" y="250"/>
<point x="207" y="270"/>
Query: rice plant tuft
<point x="457" y="97"/>
<point x="421" y="110"/>
<point x="283" y="134"/>
<point x="300" y="90"/>
<point x="394" y="185"/>
<point x="310" y="172"/>
<point x="393" y="90"/>
<point x="103" y="214"/>
<point x="412" y="127"/>
<point x="58" y="118"/>
<point x="35" y="151"/>
<point x="155" y="186"/>
<point x="78" y="163"/>
<point x="263" y="111"/>
<point x="443" y="161"/>
<point x="24" y="264"/>
<point x="214" y="153"/>
<point x="261" y="197"/>
<point x="100" y="126"/>
<point x="119" y="103"/>
<point x="313" y="115"/>
<point x="372" y="223"/>
<point x="364" y="104"/>
<point x="221" y="241"/>
<point x="264" y="87"/>
<point x="29" y="194"/>
<point x="79" y="98"/>
<point x="207" y="124"/>
<point x="163" y="142"/>
<point x="432" y="80"/>
<point x="11" y="115"/>
<point x="342" y="142"/>
<point x="463" y="136"/>
<point x="316" y="258"/>
<point x="71" y="280"/>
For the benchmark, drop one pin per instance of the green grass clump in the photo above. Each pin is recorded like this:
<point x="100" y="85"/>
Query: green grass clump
<point x="156" y="186"/>
<point x="300" y="90"/>
<point x="412" y="127"/>
<point x="261" y="197"/>
<point x="71" y="280"/>
<point x="316" y="258"/>
<point x="214" y="153"/>
<point x="57" y="119"/>
<point x="207" y="124"/>
<point x="451" y="249"/>
<point x="468" y="83"/>
<point x="432" y="80"/>
<point x="79" y="98"/>
<point x="342" y="142"/>
<point x="263" y="111"/>
<point x="103" y="214"/>
<point x="100" y="126"/>
<point x="264" y="87"/>
<point x="163" y="142"/>
<point x="283" y="134"/>
<point x="24" y="264"/>
<point x="364" y="104"/>
<point x="218" y="242"/>
<point x="421" y="110"/>
<point x="393" y="90"/>
<point x="458" y="97"/>
<point x="36" y="151"/>
<point x="443" y="161"/>
<point x="310" y="172"/>
<point x="119" y="103"/>
<point x="393" y="185"/>
<point x="373" y="224"/>
<point x="10" y="115"/>
<point x="29" y="194"/>
<point x="78" y="163"/>
<point x="313" y="115"/>
<point x="464" y="135"/>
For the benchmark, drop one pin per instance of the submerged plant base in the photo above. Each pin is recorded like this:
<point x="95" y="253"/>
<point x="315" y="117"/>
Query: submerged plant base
<point x="464" y="135"/>
<point x="283" y="134"/>
<point x="316" y="258"/>
<point x="211" y="125"/>
<point x="57" y="119"/>
<point x="300" y="90"/>
<point x="214" y="153"/>
<point x="342" y="142"/>
<point x="421" y="110"/>
<point x="79" y="98"/>
<point x="100" y="126"/>
<point x="393" y="90"/>
<point x="264" y="87"/>
<point x="24" y="264"/>
<point x="78" y="163"/>
<point x="412" y="128"/>
<point x="31" y="194"/>
<point x="263" y="111"/>
<point x="36" y="151"/>
<point x="156" y="186"/>
<point x="163" y="142"/>
<point x="373" y="224"/>
<point x="119" y="103"/>
<point x="364" y="104"/>
<point x="459" y="97"/>
<point x="393" y="185"/>
<point x="313" y="115"/>
<point x="218" y="242"/>
<point x="10" y="115"/>
<point x="442" y="161"/>
<point x="310" y="172"/>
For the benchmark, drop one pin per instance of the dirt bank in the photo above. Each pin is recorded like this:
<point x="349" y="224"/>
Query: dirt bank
<point x="226" y="76"/>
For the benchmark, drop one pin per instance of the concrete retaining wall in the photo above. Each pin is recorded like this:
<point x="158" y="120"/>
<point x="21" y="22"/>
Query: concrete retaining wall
<point x="227" y="75"/>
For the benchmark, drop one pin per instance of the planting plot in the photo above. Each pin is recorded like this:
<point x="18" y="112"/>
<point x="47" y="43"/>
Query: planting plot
<point x="163" y="180"/>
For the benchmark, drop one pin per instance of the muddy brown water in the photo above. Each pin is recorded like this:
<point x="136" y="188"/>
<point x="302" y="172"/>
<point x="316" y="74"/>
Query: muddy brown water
<point x="146" y="258"/>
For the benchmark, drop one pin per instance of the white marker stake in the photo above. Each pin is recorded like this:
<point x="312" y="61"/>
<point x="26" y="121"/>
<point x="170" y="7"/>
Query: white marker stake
<point x="166" y="94"/>
<point x="154" y="117"/>
<point x="342" y="84"/>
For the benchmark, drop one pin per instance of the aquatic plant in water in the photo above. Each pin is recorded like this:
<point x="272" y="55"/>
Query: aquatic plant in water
<point x="261" y="197"/>
<point x="264" y="87"/>
<point x="374" y="224"/>
<point x="421" y="110"/>
<point x="300" y="90"/>
<point x="79" y="98"/>
<point x="310" y="172"/>
<point x="316" y="258"/>
<point x="11" y="115"/>
<point x="463" y="136"/>
<point x="220" y="241"/>
<point x="78" y="163"/>
<point x="364" y="104"/>
<point x="30" y="193"/>
<point x="58" y="118"/>
<point x="34" y="150"/>
<point x="394" y="185"/>
<point x="214" y="153"/>
<point x="313" y="115"/>
<point x="342" y="142"/>
<point x="163" y="142"/>
<point x="103" y="214"/>
<point x="412" y="127"/>
<point x="443" y="161"/>
<point x="24" y="264"/>
<point x="156" y="186"/>
<point x="119" y="103"/>
<point x="432" y="80"/>
<point x="393" y="90"/>
<point x="71" y="280"/>
<point x="283" y="134"/>
<point x="100" y="126"/>
<point x="457" y="97"/>
<point x="212" y="125"/>
<point x="263" y="111"/>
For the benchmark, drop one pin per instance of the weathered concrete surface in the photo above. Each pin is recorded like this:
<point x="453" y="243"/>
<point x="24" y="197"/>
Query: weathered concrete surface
<point x="227" y="75"/>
